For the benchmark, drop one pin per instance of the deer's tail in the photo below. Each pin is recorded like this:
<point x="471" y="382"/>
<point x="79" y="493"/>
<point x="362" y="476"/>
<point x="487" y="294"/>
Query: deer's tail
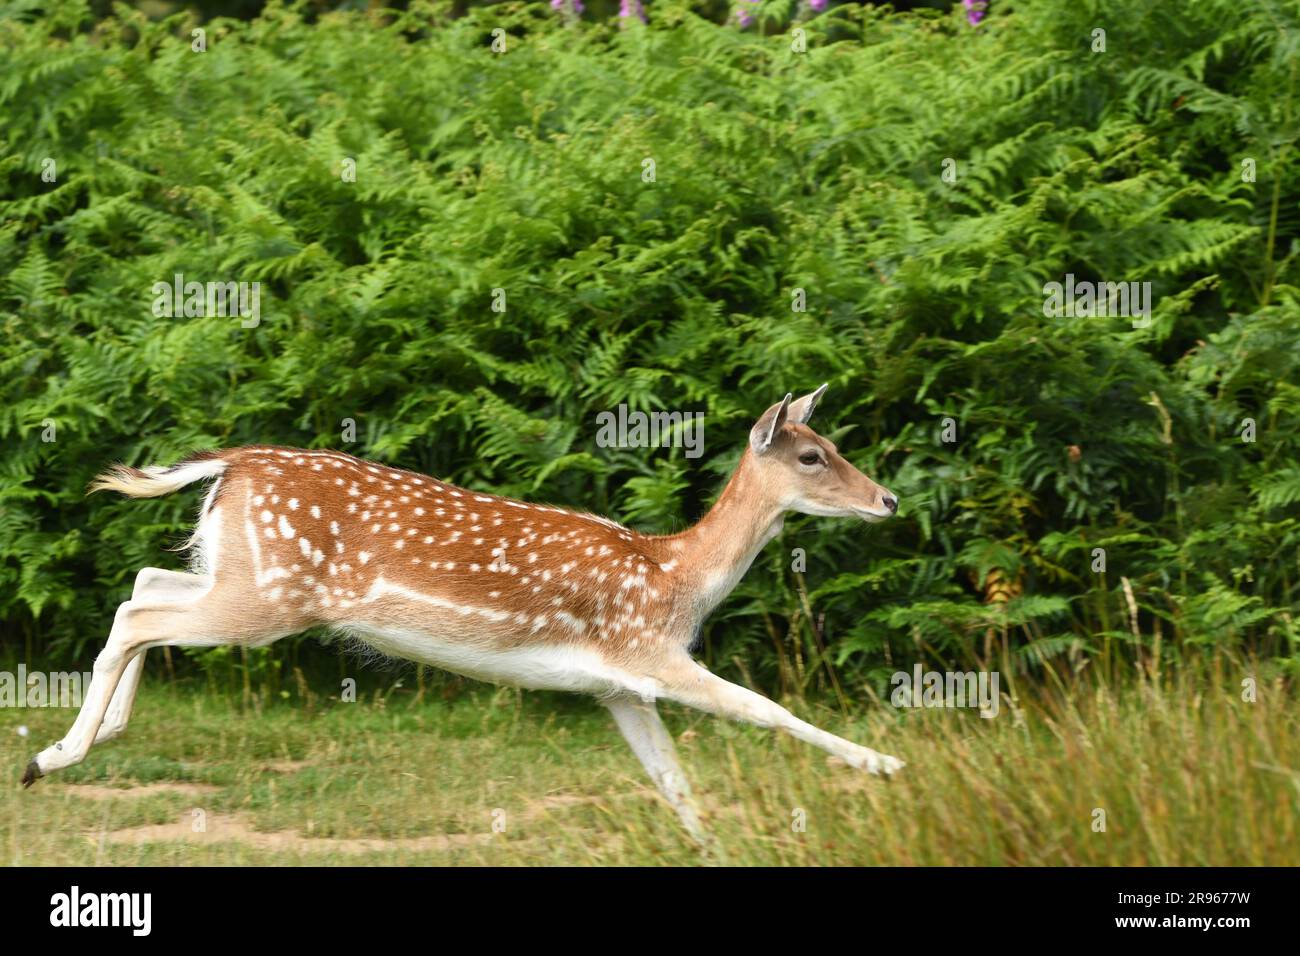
<point x="155" y="480"/>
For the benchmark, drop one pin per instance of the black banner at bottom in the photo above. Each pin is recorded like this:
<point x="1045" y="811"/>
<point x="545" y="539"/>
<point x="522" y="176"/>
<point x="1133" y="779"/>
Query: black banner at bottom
<point x="334" y="906"/>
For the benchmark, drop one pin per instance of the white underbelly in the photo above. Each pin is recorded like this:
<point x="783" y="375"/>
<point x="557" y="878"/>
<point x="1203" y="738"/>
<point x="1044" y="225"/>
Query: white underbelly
<point x="536" y="667"/>
<point x="483" y="643"/>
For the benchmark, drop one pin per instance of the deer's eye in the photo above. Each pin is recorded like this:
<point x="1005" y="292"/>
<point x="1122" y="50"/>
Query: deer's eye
<point x="810" y="458"/>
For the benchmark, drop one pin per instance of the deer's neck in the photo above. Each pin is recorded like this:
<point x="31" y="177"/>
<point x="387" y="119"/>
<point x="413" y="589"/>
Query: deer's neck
<point x="716" y="552"/>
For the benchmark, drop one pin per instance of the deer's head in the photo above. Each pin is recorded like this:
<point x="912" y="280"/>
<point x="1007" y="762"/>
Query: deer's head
<point x="805" y="472"/>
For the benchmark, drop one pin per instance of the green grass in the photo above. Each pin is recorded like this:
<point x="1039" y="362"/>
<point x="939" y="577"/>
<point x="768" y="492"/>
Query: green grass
<point x="1187" y="772"/>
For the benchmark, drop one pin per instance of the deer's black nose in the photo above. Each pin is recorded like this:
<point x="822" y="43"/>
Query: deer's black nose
<point x="890" y="502"/>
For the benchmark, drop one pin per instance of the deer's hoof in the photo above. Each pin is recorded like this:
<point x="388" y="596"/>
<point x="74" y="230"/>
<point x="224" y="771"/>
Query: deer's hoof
<point x="890" y="765"/>
<point x="879" y="764"/>
<point x="31" y="774"/>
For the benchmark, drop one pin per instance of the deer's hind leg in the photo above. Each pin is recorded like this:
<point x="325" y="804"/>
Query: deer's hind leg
<point x="211" y="619"/>
<point x="153" y="585"/>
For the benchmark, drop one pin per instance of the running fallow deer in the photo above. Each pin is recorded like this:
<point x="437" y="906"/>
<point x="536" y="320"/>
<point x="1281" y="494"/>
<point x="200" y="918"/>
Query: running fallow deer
<point x="480" y="585"/>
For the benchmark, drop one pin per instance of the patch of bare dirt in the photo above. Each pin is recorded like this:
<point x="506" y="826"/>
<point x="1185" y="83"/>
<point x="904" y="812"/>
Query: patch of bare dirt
<point x="93" y="791"/>
<point x="232" y="828"/>
<point x="541" y="808"/>
<point x="235" y="828"/>
<point x="195" y="827"/>
<point x="285" y="766"/>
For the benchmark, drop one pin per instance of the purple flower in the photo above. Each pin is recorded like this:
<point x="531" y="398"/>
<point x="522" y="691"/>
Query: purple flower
<point x="573" y="6"/>
<point x="974" y="10"/>
<point x="744" y="17"/>
<point x="817" y="5"/>
<point x="631" y="8"/>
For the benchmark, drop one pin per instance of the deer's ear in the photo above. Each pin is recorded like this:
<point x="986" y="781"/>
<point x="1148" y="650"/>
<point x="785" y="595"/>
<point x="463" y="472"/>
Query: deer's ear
<point x="801" y="409"/>
<point x="765" y="429"/>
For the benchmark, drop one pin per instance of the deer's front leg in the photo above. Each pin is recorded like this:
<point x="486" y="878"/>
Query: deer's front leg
<point x="689" y="683"/>
<point x="650" y="741"/>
